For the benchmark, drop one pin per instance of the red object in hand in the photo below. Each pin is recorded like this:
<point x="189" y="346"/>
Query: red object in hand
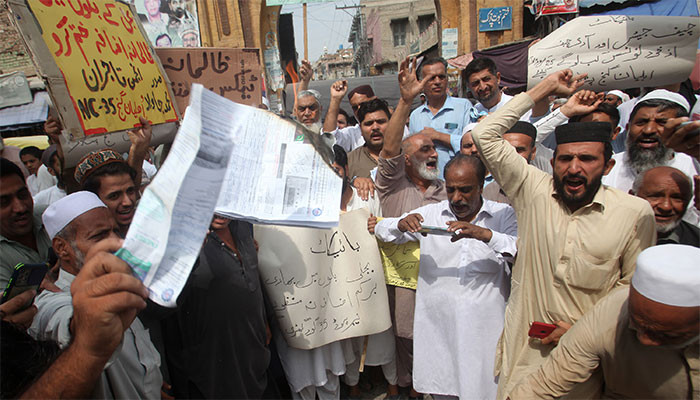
<point x="541" y="330"/>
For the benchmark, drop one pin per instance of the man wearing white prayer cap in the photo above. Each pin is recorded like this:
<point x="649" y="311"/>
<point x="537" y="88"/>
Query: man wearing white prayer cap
<point x="616" y="97"/>
<point x="644" y="338"/>
<point x="74" y="224"/>
<point x="644" y="147"/>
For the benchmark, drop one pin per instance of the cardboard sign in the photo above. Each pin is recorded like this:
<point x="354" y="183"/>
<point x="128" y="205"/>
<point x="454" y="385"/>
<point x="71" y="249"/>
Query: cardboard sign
<point x="618" y="52"/>
<point x="232" y="73"/>
<point x="401" y="262"/>
<point x="105" y="66"/>
<point x="324" y="285"/>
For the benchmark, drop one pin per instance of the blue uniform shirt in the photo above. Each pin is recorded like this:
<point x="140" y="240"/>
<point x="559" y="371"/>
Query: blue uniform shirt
<point x="450" y="119"/>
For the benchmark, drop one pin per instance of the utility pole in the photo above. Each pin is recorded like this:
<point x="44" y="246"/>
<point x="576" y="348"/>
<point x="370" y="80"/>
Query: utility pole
<point x="306" y="36"/>
<point x="361" y="50"/>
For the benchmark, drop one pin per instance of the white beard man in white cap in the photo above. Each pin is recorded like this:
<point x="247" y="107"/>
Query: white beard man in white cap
<point x="74" y="224"/>
<point x="644" y="338"/>
<point x="644" y="147"/>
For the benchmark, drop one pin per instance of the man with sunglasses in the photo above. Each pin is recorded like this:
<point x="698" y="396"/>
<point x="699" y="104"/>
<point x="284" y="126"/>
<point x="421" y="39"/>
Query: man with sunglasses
<point x="443" y="117"/>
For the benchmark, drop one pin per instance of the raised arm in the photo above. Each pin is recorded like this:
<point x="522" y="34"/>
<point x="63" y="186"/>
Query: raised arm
<point x="410" y="87"/>
<point x="581" y="103"/>
<point x="338" y="90"/>
<point x="500" y="158"/>
<point x="140" y="140"/>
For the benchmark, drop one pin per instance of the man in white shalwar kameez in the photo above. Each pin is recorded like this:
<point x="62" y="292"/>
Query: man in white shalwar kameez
<point x="463" y="283"/>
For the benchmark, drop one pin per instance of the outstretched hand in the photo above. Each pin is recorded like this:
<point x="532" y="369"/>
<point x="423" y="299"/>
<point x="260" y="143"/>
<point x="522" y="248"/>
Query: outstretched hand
<point x="409" y="85"/>
<point x="582" y="102"/>
<point x="106" y="299"/>
<point x="141" y="137"/>
<point x="564" y="82"/>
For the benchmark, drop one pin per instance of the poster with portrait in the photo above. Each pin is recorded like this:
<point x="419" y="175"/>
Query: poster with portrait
<point x="170" y="23"/>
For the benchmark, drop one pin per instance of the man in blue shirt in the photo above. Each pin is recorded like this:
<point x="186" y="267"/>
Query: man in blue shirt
<point x="442" y="117"/>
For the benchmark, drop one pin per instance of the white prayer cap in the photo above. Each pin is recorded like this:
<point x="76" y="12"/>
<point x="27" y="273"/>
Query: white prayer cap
<point x="663" y="94"/>
<point x="669" y="274"/>
<point x="62" y="212"/>
<point x="619" y="93"/>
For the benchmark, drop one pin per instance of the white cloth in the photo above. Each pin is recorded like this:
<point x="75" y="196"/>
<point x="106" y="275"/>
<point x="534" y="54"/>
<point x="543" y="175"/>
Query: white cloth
<point x="133" y="372"/>
<point x="350" y="137"/>
<point x="63" y="211"/>
<point x="381" y="347"/>
<point x="460" y="300"/>
<point x="622" y="177"/>
<point x="543" y="154"/>
<point x="44" y="179"/>
<point x="505" y="98"/>
<point x="47" y="197"/>
<point x="620" y="94"/>
<point x="669" y="274"/>
<point x="663" y="94"/>
<point x="33" y="185"/>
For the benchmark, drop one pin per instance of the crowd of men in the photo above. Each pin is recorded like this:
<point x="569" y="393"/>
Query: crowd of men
<point x="537" y="218"/>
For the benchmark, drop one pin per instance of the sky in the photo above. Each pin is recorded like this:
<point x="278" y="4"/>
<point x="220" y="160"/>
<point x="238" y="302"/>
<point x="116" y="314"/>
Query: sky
<point x="327" y="27"/>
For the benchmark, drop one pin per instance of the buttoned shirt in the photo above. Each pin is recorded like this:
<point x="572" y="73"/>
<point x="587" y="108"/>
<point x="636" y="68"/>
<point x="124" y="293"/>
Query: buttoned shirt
<point x="12" y="253"/>
<point x="361" y="163"/>
<point x="567" y="261"/>
<point x="604" y="339"/>
<point x="132" y="372"/>
<point x="460" y="299"/>
<point x="399" y="194"/>
<point x="451" y="119"/>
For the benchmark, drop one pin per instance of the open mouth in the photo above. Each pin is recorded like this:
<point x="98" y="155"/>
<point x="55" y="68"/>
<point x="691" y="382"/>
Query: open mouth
<point x="125" y="214"/>
<point x="23" y="220"/>
<point x="432" y="164"/>
<point x="648" y="142"/>
<point x="574" y="184"/>
<point x="664" y="218"/>
<point x="376" y="136"/>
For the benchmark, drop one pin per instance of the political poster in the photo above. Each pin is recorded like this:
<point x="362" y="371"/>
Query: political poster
<point x="618" y="52"/>
<point x="170" y="23"/>
<point x="101" y="71"/>
<point x="324" y="285"/>
<point x="400" y="262"/>
<point x="232" y="73"/>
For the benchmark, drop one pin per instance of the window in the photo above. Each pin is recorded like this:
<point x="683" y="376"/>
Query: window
<point x="424" y="22"/>
<point x="398" y="28"/>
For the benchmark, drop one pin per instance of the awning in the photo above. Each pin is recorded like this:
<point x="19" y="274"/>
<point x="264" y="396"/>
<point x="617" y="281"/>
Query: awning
<point x="26" y="114"/>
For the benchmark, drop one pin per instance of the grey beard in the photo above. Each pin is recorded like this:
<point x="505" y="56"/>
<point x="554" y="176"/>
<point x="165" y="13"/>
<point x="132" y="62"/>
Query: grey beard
<point x="425" y="173"/>
<point x="639" y="159"/>
<point x="667" y="227"/>
<point x="79" y="256"/>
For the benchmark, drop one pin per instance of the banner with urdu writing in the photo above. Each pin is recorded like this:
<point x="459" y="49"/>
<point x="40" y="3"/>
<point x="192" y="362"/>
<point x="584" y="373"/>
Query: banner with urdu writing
<point x="110" y="73"/>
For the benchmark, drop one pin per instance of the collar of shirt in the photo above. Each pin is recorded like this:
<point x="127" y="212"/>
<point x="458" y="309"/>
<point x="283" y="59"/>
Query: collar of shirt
<point x="65" y="279"/>
<point x="38" y="229"/>
<point x="447" y="105"/>
<point x="504" y="99"/>
<point x="486" y="210"/>
<point x="598" y="201"/>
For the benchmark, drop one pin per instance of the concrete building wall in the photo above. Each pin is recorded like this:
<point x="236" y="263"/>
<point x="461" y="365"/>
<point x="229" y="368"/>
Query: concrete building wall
<point x="379" y="15"/>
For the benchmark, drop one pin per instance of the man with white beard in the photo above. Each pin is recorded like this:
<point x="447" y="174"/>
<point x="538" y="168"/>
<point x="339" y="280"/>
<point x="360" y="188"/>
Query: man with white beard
<point x="668" y="191"/>
<point x="407" y="178"/>
<point x="645" y="149"/>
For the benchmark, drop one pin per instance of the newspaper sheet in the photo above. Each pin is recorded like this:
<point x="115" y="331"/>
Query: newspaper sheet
<point x="278" y="174"/>
<point x="174" y="214"/>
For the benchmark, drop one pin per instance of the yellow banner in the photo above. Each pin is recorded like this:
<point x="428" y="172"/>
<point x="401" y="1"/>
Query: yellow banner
<point x="111" y="75"/>
<point x="400" y="263"/>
